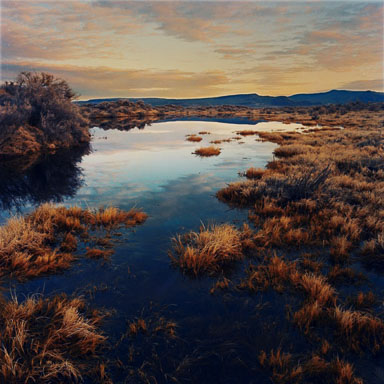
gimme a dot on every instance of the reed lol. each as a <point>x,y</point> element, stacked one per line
<point>207,251</point>
<point>194,138</point>
<point>207,151</point>
<point>46,240</point>
<point>46,340</point>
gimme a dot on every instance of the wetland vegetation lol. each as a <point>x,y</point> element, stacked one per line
<point>262,264</point>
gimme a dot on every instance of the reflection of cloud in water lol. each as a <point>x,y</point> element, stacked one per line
<point>130,165</point>
<point>188,196</point>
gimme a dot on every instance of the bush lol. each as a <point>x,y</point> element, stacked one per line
<point>37,113</point>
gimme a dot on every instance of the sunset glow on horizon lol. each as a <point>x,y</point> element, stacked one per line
<point>196,49</point>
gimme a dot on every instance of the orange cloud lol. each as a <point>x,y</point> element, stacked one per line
<point>376,84</point>
<point>194,48</point>
<point>111,82</point>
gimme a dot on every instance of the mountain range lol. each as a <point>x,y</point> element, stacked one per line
<point>255,100</point>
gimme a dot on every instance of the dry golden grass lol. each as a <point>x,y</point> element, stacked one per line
<point>324,192</point>
<point>359,330</point>
<point>316,288</point>
<point>286,369</point>
<point>282,367</point>
<point>274,273</point>
<point>247,132</point>
<point>96,253</point>
<point>209,250</point>
<point>221,141</point>
<point>291,150</point>
<point>254,173</point>
<point>194,138</point>
<point>47,340</point>
<point>365,301</point>
<point>137,326</point>
<point>44,241</point>
<point>220,285</point>
<point>207,151</point>
<point>329,185</point>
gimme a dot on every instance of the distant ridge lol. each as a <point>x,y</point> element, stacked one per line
<point>255,100</point>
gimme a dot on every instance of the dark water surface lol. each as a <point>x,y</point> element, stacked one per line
<point>219,336</point>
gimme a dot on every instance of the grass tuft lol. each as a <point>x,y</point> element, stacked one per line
<point>46,240</point>
<point>47,340</point>
<point>207,251</point>
<point>207,151</point>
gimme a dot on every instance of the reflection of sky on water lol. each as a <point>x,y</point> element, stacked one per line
<point>125,165</point>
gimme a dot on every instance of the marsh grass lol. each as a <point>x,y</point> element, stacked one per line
<point>207,151</point>
<point>221,141</point>
<point>247,132</point>
<point>210,250</point>
<point>48,340</point>
<point>194,138</point>
<point>354,330</point>
<point>45,241</point>
<point>286,369</point>
<point>254,173</point>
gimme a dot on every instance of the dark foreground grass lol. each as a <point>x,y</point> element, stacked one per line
<point>55,339</point>
<point>48,340</point>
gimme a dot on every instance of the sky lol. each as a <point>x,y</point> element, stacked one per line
<point>186,49</point>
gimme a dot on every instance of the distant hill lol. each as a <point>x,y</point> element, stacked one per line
<point>338,97</point>
<point>255,100</point>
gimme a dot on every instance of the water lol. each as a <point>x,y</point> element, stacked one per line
<point>218,336</point>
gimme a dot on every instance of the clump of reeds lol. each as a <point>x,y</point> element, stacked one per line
<point>275,272</point>
<point>207,251</point>
<point>207,151</point>
<point>282,366</point>
<point>358,329</point>
<point>137,326</point>
<point>286,369</point>
<point>298,186</point>
<point>150,325</point>
<point>254,173</point>
<point>45,241</point>
<point>220,285</point>
<point>290,150</point>
<point>364,301</point>
<point>194,138</point>
<point>221,141</point>
<point>372,251</point>
<point>47,340</point>
<point>247,132</point>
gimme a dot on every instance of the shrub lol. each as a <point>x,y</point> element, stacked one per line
<point>37,113</point>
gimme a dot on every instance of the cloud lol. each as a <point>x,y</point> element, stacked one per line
<point>376,85</point>
<point>112,82</point>
<point>194,48</point>
<point>234,53</point>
